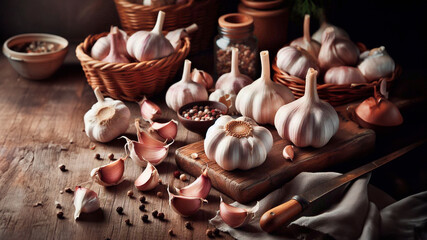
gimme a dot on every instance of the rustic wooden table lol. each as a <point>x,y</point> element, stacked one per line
<point>41,125</point>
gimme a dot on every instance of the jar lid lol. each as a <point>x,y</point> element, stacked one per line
<point>235,21</point>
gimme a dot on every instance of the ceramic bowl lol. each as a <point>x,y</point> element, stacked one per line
<point>200,127</point>
<point>35,66</point>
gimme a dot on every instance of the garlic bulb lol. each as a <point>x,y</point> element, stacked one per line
<point>339,32</point>
<point>305,42</point>
<point>262,98</point>
<point>237,143</point>
<point>175,37</point>
<point>185,205</point>
<point>102,46</point>
<point>145,46</point>
<point>295,61</point>
<point>228,98</point>
<point>376,64</point>
<point>107,119</point>
<point>307,121</point>
<point>85,201</point>
<point>149,110</point>
<point>185,91</point>
<point>199,188</point>
<point>336,52</point>
<point>110,174</point>
<point>167,130</point>
<point>234,216</point>
<point>344,75</point>
<point>116,54</point>
<point>233,80</point>
<point>148,180</point>
<point>202,77</point>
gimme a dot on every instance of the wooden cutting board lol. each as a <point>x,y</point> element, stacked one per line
<point>245,186</point>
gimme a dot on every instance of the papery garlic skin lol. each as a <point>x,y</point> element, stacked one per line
<point>183,205</point>
<point>307,121</point>
<point>107,119</point>
<point>339,32</point>
<point>336,52</point>
<point>202,77</point>
<point>234,80</point>
<point>101,48</point>
<point>227,98</point>
<point>295,61</point>
<point>175,37</point>
<point>344,75</point>
<point>85,200</point>
<point>145,46</point>
<point>237,143</point>
<point>110,174</point>
<point>305,42</point>
<point>148,180</point>
<point>376,64</point>
<point>236,217</point>
<point>263,97</point>
<point>185,91</point>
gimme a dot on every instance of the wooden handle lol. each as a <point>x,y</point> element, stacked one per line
<point>280,215</point>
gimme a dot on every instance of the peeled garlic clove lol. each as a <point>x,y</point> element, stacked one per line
<point>183,205</point>
<point>148,179</point>
<point>110,174</point>
<point>376,64</point>
<point>344,75</point>
<point>202,77</point>
<point>175,37</point>
<point>339,32</point>
<point>288,152</point>
<point>146,138</point>
<point>85,201</point>
<point>199,188</point>
<point>141,153</point>
<point>102,46</point>
<point>295,61</point>
<point>234,80</point>
<point>305,42</point>
<point>236,217</point>
<point>149,110</point>
<point>167,130</point>
<point>227,98</point>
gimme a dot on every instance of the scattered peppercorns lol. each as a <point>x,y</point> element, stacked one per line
<point>159,194</point>
<point>176,174</point>
<point>144,218</point>
<point>62,168</point>
<point>119,210</point>
<point>142,199</point>
<point>188,225</point>
<point>68,190</point>
<point>216,231</point>
<point>93,146</point>
<point>71,141</point>
<point>61,191</point>
<point>171,233</point>
<point>194,155</point>
<point>155,213</point>
<point>130,193</point>
<point>127,221</point>
<point>97,156</point>
<point>142,207</point>
<point>183,177</point>
<point>161,216</point>
<point>38,204</point>
<point>201,113</point>
<point>209,233</point>
<point>111,156</point>
<point>60,214</point>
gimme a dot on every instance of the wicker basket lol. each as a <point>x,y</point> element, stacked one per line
<point>129,81</point>
<point>135,17</point>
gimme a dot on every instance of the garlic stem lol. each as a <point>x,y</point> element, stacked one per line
<point>311,86</point>
<point>159,23</point>
<point>307,36</point>
<point>235,62</point>
<point>186,76</point>
<point>265,67</point>
<point>98,95</point>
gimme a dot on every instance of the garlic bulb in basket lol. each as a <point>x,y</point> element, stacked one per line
<point>145,46</point>
<point>336,52</point>
<point>185,91</point>
<point>116,54</point>
<point>107,119</point>
<point>305,42</point>
<point>237,143</point>
<point>295,61</point>
<point>307,121</point>
<point>339,32</point>
<point>376,64</point>
<point>262,98</point>
<point>101,48</point>
<point>344,75</point>
<point>233,80</point>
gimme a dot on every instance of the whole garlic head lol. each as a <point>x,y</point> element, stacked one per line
<point>305,42</point>
<point>339,32</point>
<point>344,75</point>
<point>185,91</point>
<point>102,46</point>
<point>376,64</point>
<point>237,143</point>
<point>295,61</point>
<point>307,121</point>
<point>107,119</point>
<point>262,98</point>
<point>228,98</point>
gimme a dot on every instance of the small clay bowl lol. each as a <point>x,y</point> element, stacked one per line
<point>200,127</point>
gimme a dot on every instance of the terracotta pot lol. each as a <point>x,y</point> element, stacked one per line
<point>270,20</point>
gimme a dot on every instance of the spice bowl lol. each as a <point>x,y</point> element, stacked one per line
<point>35,65</point>
<point>198,126</point>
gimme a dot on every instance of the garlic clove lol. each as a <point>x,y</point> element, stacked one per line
<point>199,188</point>
<point>85,201</point>
<point>167,130</point>
<point>110,174</point>
<point>288,152</point>
<point>183,205</point>
<point>228,98</point>
<point>146,138</point>
<point>149,110</point>
<point>236,217</point>
<point>305,42</point>
<point>202,77</point>
<point>141,153</point>
<point>148,179</point>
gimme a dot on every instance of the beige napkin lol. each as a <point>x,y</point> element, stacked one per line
<point>349,215</point>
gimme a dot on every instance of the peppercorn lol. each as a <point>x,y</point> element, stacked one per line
<point>176,174</point>
<point>127,221</point>
<point>92,147</point>
<point>119,210</point>
<point>111,156</point>
<point>161,216</point>
<point>209,233</point>
<point>142,199</point>
<point>130,193</point>
<point>142,207</point>
<point>60,214</point>
<point>62,168</point>
<point>188,225</point>
<point>183,177</point>
<point>144,218</point>
<point>159,194</point>
<point>98,156</point>
<point>171,233</point>
<point>68,190</point>
<point>216,231</point>
<point>155,213</point>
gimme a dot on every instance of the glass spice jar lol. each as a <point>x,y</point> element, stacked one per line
<point>236,30</point>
